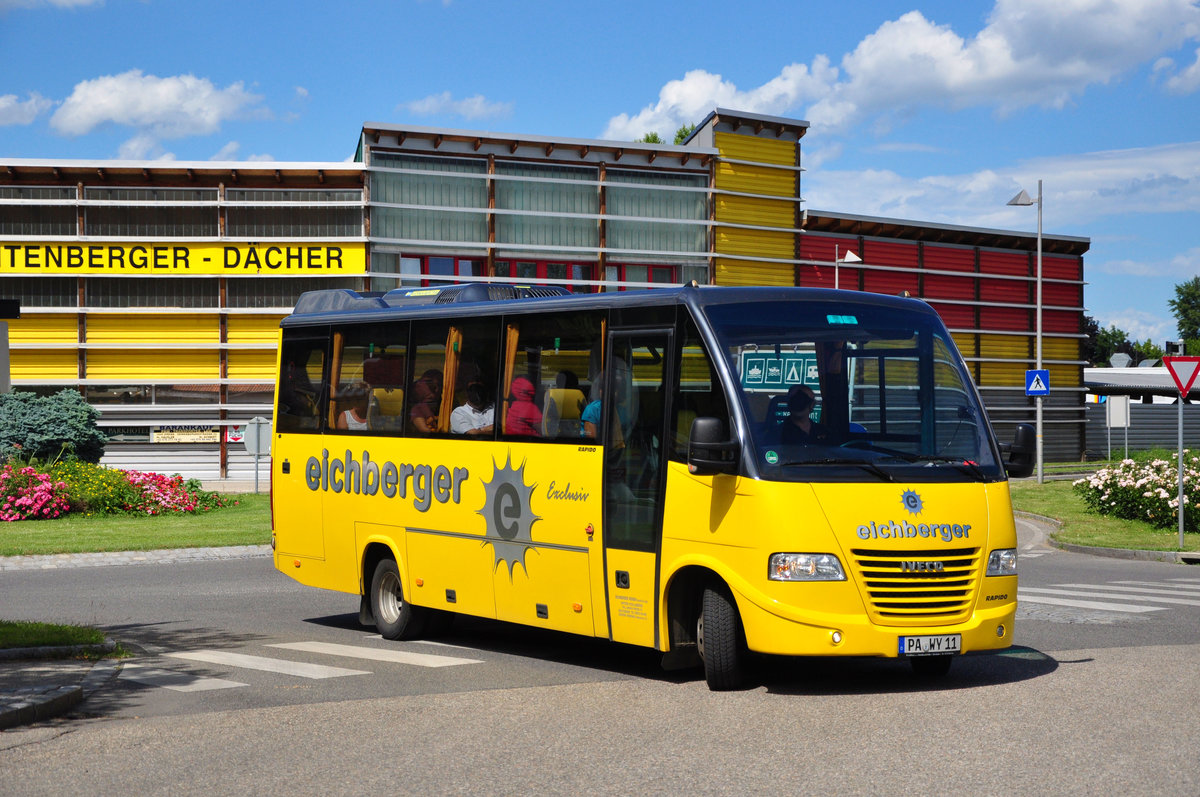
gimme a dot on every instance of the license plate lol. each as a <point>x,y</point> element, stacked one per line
<point>930,644</point>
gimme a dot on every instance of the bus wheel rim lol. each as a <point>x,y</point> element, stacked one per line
<point>390,601</point>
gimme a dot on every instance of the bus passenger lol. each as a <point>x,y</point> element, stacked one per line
<point>354,397</point>
<point>799,428</point>
<point>524,417</point>
<point>427,400</point>
<point>475,417</point>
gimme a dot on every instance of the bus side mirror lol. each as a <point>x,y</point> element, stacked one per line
<point>1021,453</point>
<point>709,450</point>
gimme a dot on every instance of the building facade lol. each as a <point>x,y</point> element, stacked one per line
<point>156,289</point>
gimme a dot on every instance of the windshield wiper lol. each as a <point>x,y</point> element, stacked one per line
<point>865,464</point>
<point>965,465</point>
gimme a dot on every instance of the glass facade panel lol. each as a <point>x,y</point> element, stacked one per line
<point>114,292</point>
<point>553,189</point>
<point>41,291</point>
<point>444,183</point>
<point>38,219</point>
<point>637,194</point>
<point>292,214</point>
<point>269,292</point>
<point>151,220</point>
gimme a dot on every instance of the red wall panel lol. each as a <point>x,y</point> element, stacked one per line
<point>1062,295</point>
<point>1005,319</point>
<point>1066,268</point>
<point>891,282</point>
<point>1004,291</point>
<point>1005,263</point>
<point>940,286</point>
<point>956,316</point>
<point>946,258</point>
<point>888,253</point>
<point>1060,321</point>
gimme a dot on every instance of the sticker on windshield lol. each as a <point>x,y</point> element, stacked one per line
<point>772,458</point>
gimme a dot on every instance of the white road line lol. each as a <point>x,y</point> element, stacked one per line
<point>430,642</point>
<point>376,654</point>
<point>1132,593</point>
<point>177,681</point>
<point>297,668</point>
<point>1023,596</point>
<point>1185,588</point>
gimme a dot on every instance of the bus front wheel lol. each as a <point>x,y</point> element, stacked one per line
<point>395,618</point>
<point>719,640</point>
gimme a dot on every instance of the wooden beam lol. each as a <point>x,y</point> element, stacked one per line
<point>478,144</point>
<point>321,176</point>
<point>653,154</point>
<point>100,174</point>
<point>618,153</point>
<point>684,158</point>
<point>191,175</point>
<point>512,147</point>
<point>233,175</point>
<point>584,150</point>
<point>549,149</point>
<point>437,141</point>
<point>400,137</point>
<point>278,176</point>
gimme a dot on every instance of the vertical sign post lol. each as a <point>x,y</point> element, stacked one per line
<point>1117,413</point>
<point>257,440</point>
<point>1183,371</point>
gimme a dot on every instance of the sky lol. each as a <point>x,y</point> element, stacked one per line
<point>926,110</point>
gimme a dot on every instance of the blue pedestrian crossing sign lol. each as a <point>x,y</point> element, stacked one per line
<point>1037,383</point>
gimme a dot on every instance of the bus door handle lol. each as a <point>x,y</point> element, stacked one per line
<point>622,579</point>
<point>286,467</point>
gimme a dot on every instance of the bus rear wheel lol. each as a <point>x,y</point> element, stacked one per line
<point>395,618</point>
<point>719,640</point>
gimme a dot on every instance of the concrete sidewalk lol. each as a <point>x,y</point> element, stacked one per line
<point>38,684</point>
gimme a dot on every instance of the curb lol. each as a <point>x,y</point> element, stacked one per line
<point>36,704</point>
<point>1136,554</point>
<point>41,706</point>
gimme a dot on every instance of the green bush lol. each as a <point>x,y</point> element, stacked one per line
<point>34,427</point>
<point>94,489</point>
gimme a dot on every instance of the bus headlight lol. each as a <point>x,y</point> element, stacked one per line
<point>1002,562</point>
<point>805,567</point>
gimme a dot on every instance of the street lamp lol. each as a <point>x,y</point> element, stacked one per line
<point>1023,199</point>
<point>849,257</point>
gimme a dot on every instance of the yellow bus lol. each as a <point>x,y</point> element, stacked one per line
<point>708,472</point>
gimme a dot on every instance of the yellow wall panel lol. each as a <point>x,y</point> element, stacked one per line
<point>153,327</point>
<point>1060,348</point>
<point>748,272</point>
<point>1064,376</point>
<point>757,243</point>
<point>1002,374</point>
<point>965,343</point>
<point>755,179</point>
<point>1006,346</point>
<point>44,329</point>
<point>253,329</point>
<point>251,365</point>
<point>126,364</point>
<point>754,148</point>
<point>38,365</point>
<point>753,210</point>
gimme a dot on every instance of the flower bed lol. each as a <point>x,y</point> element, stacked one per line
<point>77,486</point>
<point>1147,491</point>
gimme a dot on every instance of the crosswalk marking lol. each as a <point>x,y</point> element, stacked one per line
<point>1024,594</point>
<point>1136,593</point>
<point>1186,588</point>
<point>175,681</point>
<point>297,668</point>
<point>376,654</point>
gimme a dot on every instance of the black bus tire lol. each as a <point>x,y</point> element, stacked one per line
<point>719,640</point>
<point>395,618</point>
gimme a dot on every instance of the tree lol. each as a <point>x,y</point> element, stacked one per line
<point>681,135</point>
<point>1186,307</point>
<point>1108,342</point>
<point>44,427</point>
<point>650,138</point>
<point>1147,350</point>
<point>1088,346</point>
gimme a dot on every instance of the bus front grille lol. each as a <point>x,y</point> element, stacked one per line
<point>918,587</point>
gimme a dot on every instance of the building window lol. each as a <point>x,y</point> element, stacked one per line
<point>542,270</point>
<point>540,201</point>
<point>636,202</point>
<point>41,291</point>
<point>280,292</point>
<point>174,292</point>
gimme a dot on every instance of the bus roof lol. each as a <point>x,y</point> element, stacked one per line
<point>342,305</point>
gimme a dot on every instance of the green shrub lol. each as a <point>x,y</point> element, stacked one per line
<point>34,427</point>
<point>94,489</point>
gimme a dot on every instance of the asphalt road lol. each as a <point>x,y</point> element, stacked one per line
<point>1097,697</point>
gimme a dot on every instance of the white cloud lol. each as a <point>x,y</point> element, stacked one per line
<point>1139,324</point>
<point>143,147</point>
<point>1078,190</point>
<point>1030,52</point>
<point>157,108</point>
<point>227,153</point>
<point>1187,81</point>
<point>476,107</point>
<point>15,112</point>
<point>689,100</point>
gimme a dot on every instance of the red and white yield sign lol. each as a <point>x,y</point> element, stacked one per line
<point>1183,371</point>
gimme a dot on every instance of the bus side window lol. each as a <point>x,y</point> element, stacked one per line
<point>301,385</point>
<point>551,363</point>
<point>368,377</point>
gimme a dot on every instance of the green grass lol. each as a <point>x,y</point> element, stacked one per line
<point>248,523</point>
<point>1081,526</point>
<point>14,634</point>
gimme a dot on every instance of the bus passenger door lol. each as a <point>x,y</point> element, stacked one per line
<point>297,501</point>
<point>635,398</point>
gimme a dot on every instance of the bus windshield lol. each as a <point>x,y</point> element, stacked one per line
<point>841,391</point>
